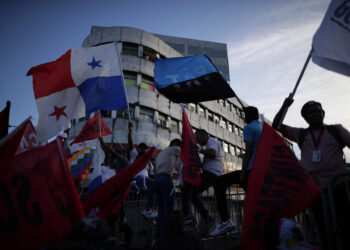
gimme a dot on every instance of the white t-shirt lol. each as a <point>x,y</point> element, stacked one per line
<point>214,166</point>
<point>144,172</point>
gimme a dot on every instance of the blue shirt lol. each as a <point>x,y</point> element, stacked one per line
<point>252,133</point>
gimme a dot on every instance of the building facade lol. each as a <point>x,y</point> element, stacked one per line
<point>156,119</point>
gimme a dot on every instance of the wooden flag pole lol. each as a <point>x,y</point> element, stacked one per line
<point>291,95</point>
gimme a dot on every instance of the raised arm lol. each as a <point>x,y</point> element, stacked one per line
<point>277,121</point>
<point>130,140</point>
<point>109,149</point>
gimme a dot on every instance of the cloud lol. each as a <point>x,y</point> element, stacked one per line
<point>265,64</point>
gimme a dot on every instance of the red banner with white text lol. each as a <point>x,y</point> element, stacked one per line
<point>277,187</point>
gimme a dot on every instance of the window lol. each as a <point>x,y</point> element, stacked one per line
<point>233,109</point>
<point>146,114</point>
<point>225,147</point>
<point>210,116</point>
<point>240,132</point>
<point>162,120</point>
<point>222,102</point>
<point>174,126</point>
<point>201,111</point>
<point>229,126</point>
<point>130,49</point>
<point>236,130</point>
<point>239,113</point>
<point>192,107</point>
<point>238,151</point>
<point>125,114</point>
<point>147,83</point>
<point>149,54</point>
<point>216,119</point>
<point>232,149</point>
<point>129,78</point>
<point>106,113</point>
<point>223,123</point>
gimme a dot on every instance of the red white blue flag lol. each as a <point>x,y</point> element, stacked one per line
<point>81,81</point>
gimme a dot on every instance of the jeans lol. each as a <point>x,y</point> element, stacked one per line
<point>164,189</point>
<point>186,197</point>
<point>220,183</point>
<point>141,184</point>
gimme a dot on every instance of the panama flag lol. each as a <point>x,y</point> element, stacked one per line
<point>81,81</point>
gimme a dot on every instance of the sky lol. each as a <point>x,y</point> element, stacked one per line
<point>268,43</point>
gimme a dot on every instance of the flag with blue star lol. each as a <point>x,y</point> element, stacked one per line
<point>80,82</point>
<point>94,63</point>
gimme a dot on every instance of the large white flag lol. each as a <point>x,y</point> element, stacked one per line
<point>331,43</point>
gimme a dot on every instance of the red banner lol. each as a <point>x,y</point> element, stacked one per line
<point>91,130</point>
<point>19,140</point>
<point>39,202</point>
<point>109,197</point>
<point>278,187</point>
<point>189,153</point>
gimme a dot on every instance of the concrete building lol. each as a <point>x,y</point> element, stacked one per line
<point>156,119</point>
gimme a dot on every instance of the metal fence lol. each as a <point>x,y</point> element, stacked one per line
<point>144,228</point>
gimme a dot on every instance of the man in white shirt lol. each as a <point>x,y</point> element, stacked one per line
<point>212,168</point>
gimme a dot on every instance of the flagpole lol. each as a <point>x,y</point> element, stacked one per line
<point>126,95</point>
<point>291,95</point>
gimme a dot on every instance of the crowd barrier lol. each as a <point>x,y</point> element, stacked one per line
<point>144,228</point>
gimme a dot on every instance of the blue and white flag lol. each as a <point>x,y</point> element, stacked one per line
<point>81,81</point>
<point>331,43</point>
<point>190,79</point>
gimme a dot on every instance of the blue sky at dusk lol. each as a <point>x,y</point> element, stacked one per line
<point>268,42</point>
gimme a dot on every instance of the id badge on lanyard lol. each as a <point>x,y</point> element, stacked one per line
<point>316,153</point>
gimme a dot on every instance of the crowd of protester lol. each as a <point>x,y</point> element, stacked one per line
<point>321,156</point>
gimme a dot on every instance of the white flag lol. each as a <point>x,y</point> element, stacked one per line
<point>331,43</point>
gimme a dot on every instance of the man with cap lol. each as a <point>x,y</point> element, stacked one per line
<point>321,148</point>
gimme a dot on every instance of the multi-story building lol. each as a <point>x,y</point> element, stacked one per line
<point>156,119</point>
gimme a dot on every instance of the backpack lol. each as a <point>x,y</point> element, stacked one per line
<point>330,128</point>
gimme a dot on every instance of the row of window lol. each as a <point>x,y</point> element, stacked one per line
<point>144,52</point>
<point>221,121</point>
<point>174,127</point>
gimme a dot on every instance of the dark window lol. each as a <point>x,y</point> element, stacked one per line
<point>149,54</point>
<point>106,113</point>
<point>130,49</point>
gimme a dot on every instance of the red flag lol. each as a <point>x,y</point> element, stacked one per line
<point>19,140</point>
<point>278,187</point>
<point>4,120</point>
<point>189,154</point>
<point>109,197</point>
<point>90,130</point>
<point>39,202</point>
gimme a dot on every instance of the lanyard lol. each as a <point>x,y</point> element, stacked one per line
<point>317,141</point>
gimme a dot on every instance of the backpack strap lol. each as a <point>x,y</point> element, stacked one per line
<point>302,135</point>
<point>332,129</point>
